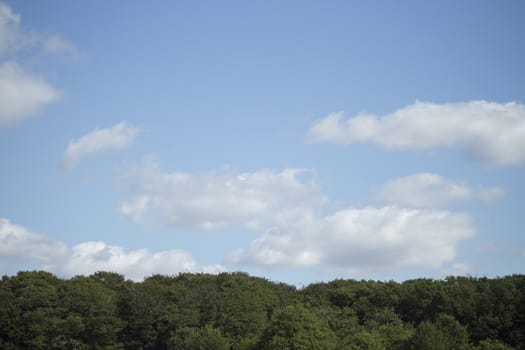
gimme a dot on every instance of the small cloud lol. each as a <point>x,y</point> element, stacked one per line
<point>489,195</point>
<point>99,141</point>
<point>488,131</point>
<point>10,39</point>
<point>14,39</point>
<point>432,190</point>
<point>57,45</point>
<point>22,95</point>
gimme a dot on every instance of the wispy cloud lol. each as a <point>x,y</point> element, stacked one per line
<point>491,132</point>
<point>13,38</point>
<point>22,95</point>
<point>21,244</point>
<point>10,36</point>
<point>432,190</point>
<point>99,141</point>
<point>56,44</point>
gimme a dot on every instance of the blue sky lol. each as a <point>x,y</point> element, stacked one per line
<point>300,141</point>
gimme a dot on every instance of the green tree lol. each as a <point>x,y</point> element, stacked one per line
<point>206,338</point>
<point>393,332</point>
<point>92,310</point>
<point>428,337</point>
<point>37,298</point>
<point>139,310</point>
<point>446,333</point>
<point>298,328</point>
<point>9,316</point>
<point>243,306</point>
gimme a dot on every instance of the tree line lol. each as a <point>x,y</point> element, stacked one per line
<point>236,311</point>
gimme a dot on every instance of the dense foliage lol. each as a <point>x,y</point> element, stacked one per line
<point>236,311</point>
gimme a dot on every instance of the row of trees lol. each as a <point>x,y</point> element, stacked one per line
<point>236,311</point>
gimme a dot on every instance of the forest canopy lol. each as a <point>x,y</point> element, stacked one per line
<point>236,311</point>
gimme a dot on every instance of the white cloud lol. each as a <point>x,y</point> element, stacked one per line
<point>490,194</point>
<point>19,243</point>
<point>22,95</point>
<point>492,132</point>
<point>432,190</point>
<point>213,199</point>
<point>13,38</point>
<point>92,256</point>
<point>98,141</point>
<point>287,209</point>
<point>361,240</point>
<point>56,44</point>
<point>89,257</point>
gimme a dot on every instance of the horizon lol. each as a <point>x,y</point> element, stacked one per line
<point>273,281</point>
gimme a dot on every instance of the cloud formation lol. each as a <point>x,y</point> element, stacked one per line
<point>213,199</point>
<point>19,243</point>
<point>99,141</point>
<point>488,131</point>
<point>288,211</point>
<point>432,190</point>
<point>362,240</point>
<point>22,95</point>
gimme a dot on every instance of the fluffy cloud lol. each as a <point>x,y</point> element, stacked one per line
<point>432,190</point>
<point>89,257</point>
<point>492,132</point>
<point>98,141</point>
<point>360,240</point>
<point>92,256</point>
<point>18,243</point>
<point>22,95</point>
<point>13,38</point>
<point>287,209</point>
<point>213,199</point>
